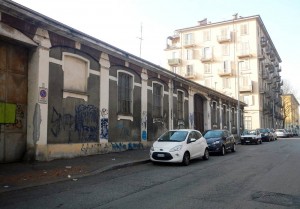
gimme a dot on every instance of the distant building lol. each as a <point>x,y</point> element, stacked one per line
<point>291,112</point>
<point>235,57</point>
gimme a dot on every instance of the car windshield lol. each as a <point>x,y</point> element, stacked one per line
<point>264,130</point>
<point>249,132</point>
<point>174,136</point>
<point>213,134</point>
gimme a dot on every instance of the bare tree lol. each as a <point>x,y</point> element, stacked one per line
<point>287,88</point>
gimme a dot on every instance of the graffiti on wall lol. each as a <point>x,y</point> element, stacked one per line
<point>126,133</point>
<point>126,146</point>
<point>85,123</point>
<point>144,125</point>
<point>104,124</point>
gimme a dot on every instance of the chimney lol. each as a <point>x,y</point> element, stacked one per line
<point>203,22</point>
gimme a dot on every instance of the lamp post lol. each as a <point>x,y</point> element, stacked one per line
<point>238,98</point>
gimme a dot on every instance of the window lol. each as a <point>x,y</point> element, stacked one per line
<point>189,70</point>
<point>206,35</point>
<point>226,66</point>
<point>248,99</point>
<point>207,68</point>
<point>207,53</point>
<point>245,49</point>
<point>244,65</point>
<point>188,39</point>
<point>180,100</point>
<point>226,83</point>
<point>125,90</point>
<point>75,71</point>
<point>189,54</point>
<point>245,81</point>
<point>174,55</point>
<point>175,69</point>
<point>157,100</point>
<point>225,50</point>
<point>244,29</point>
<point>248,122</point>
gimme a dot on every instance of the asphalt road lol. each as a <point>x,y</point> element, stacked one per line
<point>256,176</point>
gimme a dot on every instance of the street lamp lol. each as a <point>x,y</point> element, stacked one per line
<point>238,98</point>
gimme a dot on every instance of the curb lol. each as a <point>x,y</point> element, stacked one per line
<point>91,173</point>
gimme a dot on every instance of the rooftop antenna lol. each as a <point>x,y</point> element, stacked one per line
<point>141,39</point>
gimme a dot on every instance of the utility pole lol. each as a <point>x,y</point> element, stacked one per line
<point>141,39</point>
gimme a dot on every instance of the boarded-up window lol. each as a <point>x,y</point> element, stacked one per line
<point>75,74</point>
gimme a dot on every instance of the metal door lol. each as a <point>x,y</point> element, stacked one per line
<point>13,101</point>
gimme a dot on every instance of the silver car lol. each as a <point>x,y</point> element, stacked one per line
<point>281,133</point>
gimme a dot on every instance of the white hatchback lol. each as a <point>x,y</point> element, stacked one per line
<point>179,146</point>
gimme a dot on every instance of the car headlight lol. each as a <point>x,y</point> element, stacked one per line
<point>152,148</point>
<point>177,148</point>
<point>216,142</point>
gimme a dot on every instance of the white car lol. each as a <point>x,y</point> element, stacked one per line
<point>251,136</point>
<point>179,146</point>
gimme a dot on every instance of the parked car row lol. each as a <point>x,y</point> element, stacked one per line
<point>182,145</point>
<point>260,135</point>
<point>285,133</point>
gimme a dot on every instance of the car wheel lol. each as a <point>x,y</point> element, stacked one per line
<point>257,141</point>
<point>260,141</point>
<point>206,155</point>
<point>233,149</point>
<point>222,151</point>
<point>186,159</point>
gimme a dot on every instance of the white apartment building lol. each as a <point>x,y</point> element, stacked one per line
<point>235,57</point>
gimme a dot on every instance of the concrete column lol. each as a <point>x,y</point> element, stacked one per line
<point>144,101</point>
<point>104,98</point>
<point>208,103</point>
<point>38,81</point>
<point>171,111</point>
<point>221,114</point>
<point>191,109</point>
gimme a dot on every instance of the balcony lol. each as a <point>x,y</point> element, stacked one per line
<point>246,88</point>
<point>225,72</point>
<point>224,38</point>
<point>207,58</point>
<point>263,42</point>
<point>174,62</point>
<point>190,75</point>
<point>262,91</point>
<point>244,54</point>
<point>189,43</point>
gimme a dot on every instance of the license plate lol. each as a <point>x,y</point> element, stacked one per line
<point>160,155</point>
<point>247,141</point>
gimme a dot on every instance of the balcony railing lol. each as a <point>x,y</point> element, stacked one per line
<point>174,62</point>
<point>246,88</point>
<point>207,58</point>
<point>224,38</point>
<point>244,54</point>
<point>225,72</point>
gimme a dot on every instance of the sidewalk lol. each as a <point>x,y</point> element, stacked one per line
<point>14,176</point>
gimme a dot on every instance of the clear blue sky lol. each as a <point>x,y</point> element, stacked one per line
<point>118,22</point>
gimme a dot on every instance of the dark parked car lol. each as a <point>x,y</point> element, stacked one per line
<point>220,141</point>
<point>266,134</point>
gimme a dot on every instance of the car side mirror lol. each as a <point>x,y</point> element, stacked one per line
<point>191,140</point>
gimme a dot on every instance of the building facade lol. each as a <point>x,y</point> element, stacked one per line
<point>235,57</point>
<point>65,94</point>
<point>291,112</point>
